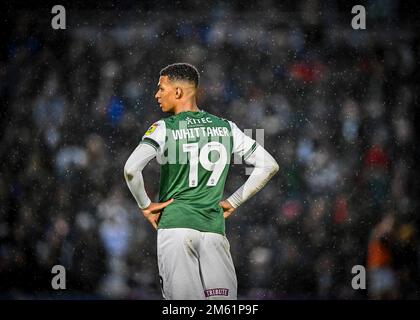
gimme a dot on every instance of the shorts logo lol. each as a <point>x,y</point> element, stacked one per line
<point>151,129</point>
<point>216,292</point>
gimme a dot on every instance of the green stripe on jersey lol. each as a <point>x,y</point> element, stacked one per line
<point>250,151</point>
<point>151,142</point>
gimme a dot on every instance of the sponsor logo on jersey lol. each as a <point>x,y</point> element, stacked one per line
<point>198,121</point>
<point>151,129</point>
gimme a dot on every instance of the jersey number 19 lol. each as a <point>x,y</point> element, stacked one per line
<point>196,155</point>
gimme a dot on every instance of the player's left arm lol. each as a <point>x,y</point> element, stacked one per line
<point>152,142</point>
<point>133,176</point>
<point>133,173</point>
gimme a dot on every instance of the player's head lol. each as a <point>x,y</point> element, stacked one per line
<point>178,82</point>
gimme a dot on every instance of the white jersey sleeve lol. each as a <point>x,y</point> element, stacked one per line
<point>243,145</point>
<point>265,167</point>
<point>133,172</point>
<point>155,136</point>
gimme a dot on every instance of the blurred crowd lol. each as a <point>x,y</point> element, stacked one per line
<point>336,106</point>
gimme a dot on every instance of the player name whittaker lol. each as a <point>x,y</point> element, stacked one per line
<point>192,133</point>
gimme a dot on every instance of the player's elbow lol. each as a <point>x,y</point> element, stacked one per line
<point>128,170</point>
<point>275,168</point>
<point>270,164</point>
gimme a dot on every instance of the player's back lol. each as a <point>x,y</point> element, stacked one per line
<point>194,150</point>
<point>198,149</point>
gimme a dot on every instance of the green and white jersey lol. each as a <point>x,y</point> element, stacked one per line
<point>195,150</point>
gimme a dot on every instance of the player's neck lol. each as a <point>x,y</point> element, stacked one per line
<point>189,106</point>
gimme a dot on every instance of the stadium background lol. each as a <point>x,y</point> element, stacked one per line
<point>338,109</point>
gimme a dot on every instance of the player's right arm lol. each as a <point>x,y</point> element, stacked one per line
<point>265,167</point>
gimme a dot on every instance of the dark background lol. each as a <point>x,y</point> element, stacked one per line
<point>339,111</point>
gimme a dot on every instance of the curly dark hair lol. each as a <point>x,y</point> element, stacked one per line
<point>182,71</point>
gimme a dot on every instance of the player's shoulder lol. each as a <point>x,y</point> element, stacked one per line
<point>218,118</point>
<point>157,125</point>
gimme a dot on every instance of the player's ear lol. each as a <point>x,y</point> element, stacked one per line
<point>178,92</point>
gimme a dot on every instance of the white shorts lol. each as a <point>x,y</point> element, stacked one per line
<point>195,265</point>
